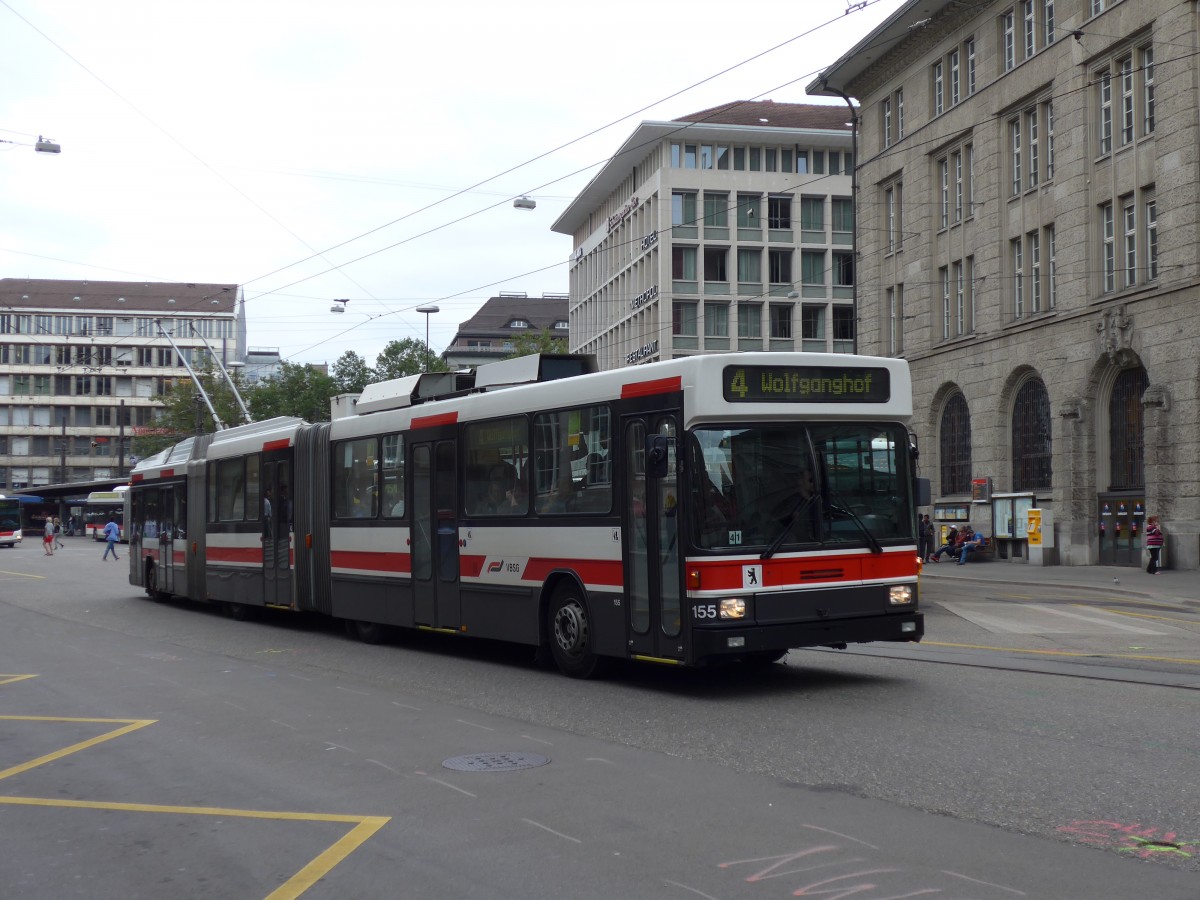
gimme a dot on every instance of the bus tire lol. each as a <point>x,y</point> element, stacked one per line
<point>764,657</point>
<point>152,585</point>
<point>570,631</point>
<point>240,612</point>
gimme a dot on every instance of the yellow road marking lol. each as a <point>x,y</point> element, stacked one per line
<point>317,868</point>
<point>1081,653</point>
<point>130,725</point>
<point>21,574</point>
<point>9,679</point>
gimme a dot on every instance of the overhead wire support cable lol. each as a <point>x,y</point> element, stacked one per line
<point>195,380</point>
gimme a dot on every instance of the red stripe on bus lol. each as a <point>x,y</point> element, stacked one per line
<point>726,575</point>
<point>591,571</point>
<point>368,561</point>
<point>434,421</point>
<point>235,554</point>
<point>166,473</point>
<point>137,478</point>
<point>647,388</point>
<point>280,444</point>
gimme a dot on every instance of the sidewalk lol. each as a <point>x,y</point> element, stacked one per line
<point>1171,586</point>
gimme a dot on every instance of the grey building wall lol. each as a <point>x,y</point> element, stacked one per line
<point>1103,309</point>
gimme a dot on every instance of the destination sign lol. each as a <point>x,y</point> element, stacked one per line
<point>806,384</point>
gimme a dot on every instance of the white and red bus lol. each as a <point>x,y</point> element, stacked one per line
<point>100,507</point>
<point>718,507</point>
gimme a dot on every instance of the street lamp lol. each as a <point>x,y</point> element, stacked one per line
<point>428,311</point>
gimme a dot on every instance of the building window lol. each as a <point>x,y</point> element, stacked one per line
<point>683,208</point>
<point>1126,442</point>
<point>812,214</point>
<point>944,190</point>
<point>780,263</point>
<point>899,126</point>
<point>1130,235</point>
<point>1007,40</point>
<point>812,268</point>
<point>956,159</point>
<point>750,266</point>
<point>895,308</point>
<point>1048,21</point>
<point>715,264</point>
<point>955,77</point>
<point>1151,239</point>
<point>812,328</point>
<point>716,320</point>
<point>1017,256</point>
<point>781,320</point>
<point>1028,28</point>
<point>843,329</point>
<point>891,213</point>
<point>1034,242</point>
<point>749,320</point>
<point>938,88</point>
<point>716,210</point>
<point>970,51</point>
<point>1031,129</point>
<point>944,278</point>
<point>1048,110</point>
<point>843,215</point>
<point>1108,249</point>
<point>1051,270</point>
<point>1014,141</point>
<point>779,212</point>
<point>1147,90</point>
<point>1031,439</point>
<point>1104,87</point>
<point>843,269</point>
<point>747,211</point>
<point>954,444</point>
<point>683,318</point>
<point>683,263</point>
<point>886,110</point>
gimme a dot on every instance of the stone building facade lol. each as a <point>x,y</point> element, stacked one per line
<point>728,229</point>
<point>1028,200</point>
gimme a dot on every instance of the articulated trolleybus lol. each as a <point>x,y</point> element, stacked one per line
<point>720,507</point>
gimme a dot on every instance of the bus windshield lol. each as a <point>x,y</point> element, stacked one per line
<point>787,486</point>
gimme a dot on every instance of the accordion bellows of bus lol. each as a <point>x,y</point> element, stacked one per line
<point>715,508</point>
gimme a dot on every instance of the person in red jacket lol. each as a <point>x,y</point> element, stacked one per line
<point>1154,543</point>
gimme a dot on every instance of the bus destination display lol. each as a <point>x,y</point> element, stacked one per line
<point>806,384</point>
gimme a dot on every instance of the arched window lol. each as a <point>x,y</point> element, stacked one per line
<point>1031,441</point>
<point>1126,447</point>
<point>955,446</point>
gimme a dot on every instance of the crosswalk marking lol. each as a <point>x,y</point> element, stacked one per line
<point>1041,618</point>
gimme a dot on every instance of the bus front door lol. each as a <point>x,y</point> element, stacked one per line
<point>168,508</point>
<point>653,578</point>
<point>434,535</point>
<point>277,532</point>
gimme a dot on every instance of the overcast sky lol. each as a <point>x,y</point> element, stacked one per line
<point>313,151</point>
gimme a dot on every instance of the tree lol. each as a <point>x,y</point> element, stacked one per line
<point>407,356</point>
<point>352,373</point>
<point>298,390</point>
<point>184,412</point>
<point>542,342</point>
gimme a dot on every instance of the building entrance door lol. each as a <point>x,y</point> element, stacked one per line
<point>1122,524</point>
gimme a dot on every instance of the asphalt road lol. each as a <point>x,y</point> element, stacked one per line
<point>279,758</point>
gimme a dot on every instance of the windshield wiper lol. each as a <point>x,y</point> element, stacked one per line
<point>789,520</point>
<point>872,541</point>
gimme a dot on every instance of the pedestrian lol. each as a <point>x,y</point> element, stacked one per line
<point>1154,543</point>
<point>48,536</point>
<point>954,539</point>
<point>925,538</point>
<point>112,534</point>
<point>58,533</point>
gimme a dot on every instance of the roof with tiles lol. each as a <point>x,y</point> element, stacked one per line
<point>133,296</point>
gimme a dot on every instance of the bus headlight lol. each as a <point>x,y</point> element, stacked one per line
<point>900,595</point>
<point>732,608</point>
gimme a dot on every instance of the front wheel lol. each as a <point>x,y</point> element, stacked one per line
<point>152,590</point>
<point>570,632</point>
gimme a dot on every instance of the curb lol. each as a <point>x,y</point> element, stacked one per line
<point>1101,588</point>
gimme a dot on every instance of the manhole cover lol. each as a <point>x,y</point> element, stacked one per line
<point>495,762</point>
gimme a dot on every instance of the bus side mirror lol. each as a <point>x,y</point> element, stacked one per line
<point>924,493</point>
<point>657,454</point>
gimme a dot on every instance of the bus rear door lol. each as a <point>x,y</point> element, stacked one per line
<point>434,535</point>
<point>653,576</point>
<point>277,529</point>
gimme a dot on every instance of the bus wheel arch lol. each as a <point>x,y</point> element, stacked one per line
<point>569,628</point>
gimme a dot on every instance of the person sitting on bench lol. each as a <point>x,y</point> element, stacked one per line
<point>953,544</point>
<point>975,541</point>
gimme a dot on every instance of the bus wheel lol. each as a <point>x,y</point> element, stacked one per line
<point>368,632</point>
<point>571,639</point>
<point>239,611</point>
<point>152,585</point>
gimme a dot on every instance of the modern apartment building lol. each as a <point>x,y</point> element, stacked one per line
<point>84,365</point>
<point>729,229</point>
<point>1028,211</point>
